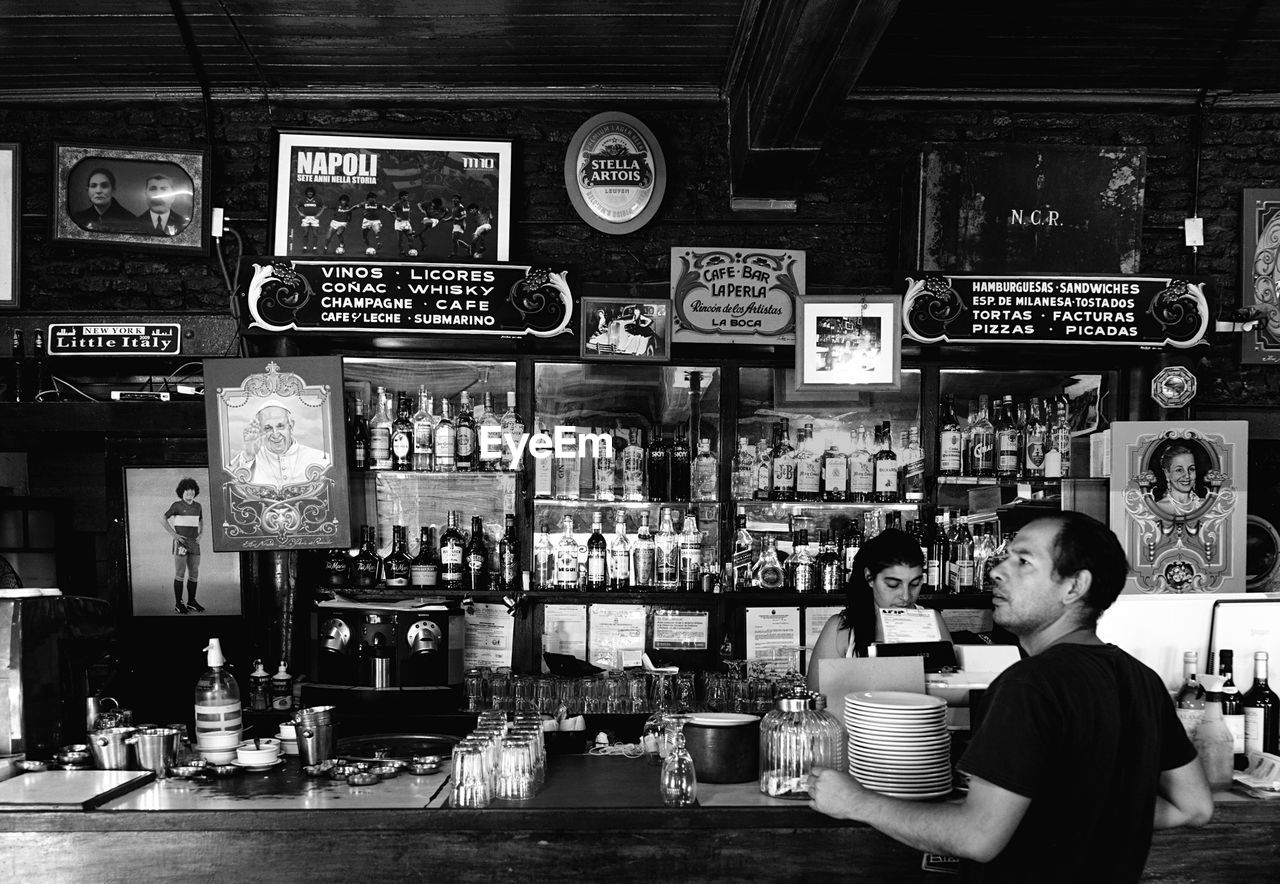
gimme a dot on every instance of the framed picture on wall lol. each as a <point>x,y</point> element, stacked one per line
<point>391,197</point>
<point>1260,270</point>
<point>142,198</point>
<point>848,341</point>
<point>10,222</point>
<point>626,329</point>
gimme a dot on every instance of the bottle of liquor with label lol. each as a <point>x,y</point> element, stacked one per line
<point>690,554</point>
<point>764,465</point>
<point>1035,441</point>
<point>446,445</point>
<point>1190,696</point>
<point>337,566</point>
<point>808,467</point>
<point>706,473</point>
<point>508,577</point>
<point>745,550</point>
<point>633,468</point>
<point>424,440</point>
<point>567,559</point>
<point>568,477</point>
<point>512,429</point>
<point>451,551</point>
<point>402,436</point>
<point>476,559</point>
<point>544,469</point>
<point>1006,440</point>
<point>800,566</point>
<point>982,442</point>
<point>367,562</point>
<point>935,561</point>
<point>395,567</point>
<point>605,466</point>
<point>1057,456</point>
<point>950,439</point>
<point>885,468</point>
<point>619,556</point>
<point>861,472</point>
<point>465,438</point>
<point>830,575</point>
<point>835,475</point>
<point>1232,706</point>
<point>359,438</point>
<point>784,466</point>
<point>1261,711</point>
<point>644,556</point>
<point>768,570</point>
<point>660,466</point>
<point>424,571</point>
<point>667,554</point>
<point>489,447</point>
<point>380,432</point>
<point>742,472</point>
<point>962,555</point>
<point>912,487</point>
<point>544,561</point>
<point>597,556</point>
<point>681,462</point>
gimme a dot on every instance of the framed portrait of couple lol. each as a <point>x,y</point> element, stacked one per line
<point>141,198</point>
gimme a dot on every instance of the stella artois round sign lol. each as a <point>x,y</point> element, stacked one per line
<point>615,173</point>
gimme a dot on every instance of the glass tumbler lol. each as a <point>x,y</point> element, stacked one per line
<point>476,685</point>
<point>470,778</point>
<point>516,764</point>
<point>679,781</point>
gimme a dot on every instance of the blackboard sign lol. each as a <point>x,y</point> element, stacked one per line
<point>502,300</point>
<point>1146,311</point>
<point>114,339</point>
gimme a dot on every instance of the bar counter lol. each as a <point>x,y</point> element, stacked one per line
<point>597,819</point>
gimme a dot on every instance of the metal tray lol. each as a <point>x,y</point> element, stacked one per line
<point>401,747</point>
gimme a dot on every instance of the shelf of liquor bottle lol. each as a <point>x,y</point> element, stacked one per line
<point>629,505</point>
<point>1008,482</point>
<point>909,506</point>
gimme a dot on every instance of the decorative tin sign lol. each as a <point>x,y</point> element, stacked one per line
<point>114,339</point>
<point>1260,255</point>
<point>1144,311</point>
<point>502,300</point>
<point>1173,387</point>
<point>736,295</point>
<point>615,173</point>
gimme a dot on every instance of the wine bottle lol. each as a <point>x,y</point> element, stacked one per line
<point>451,549</point>
<point>1232,706</point>
<point>1261,711</point>
<point>597,556</point>
<point>509,557</point>
<point>1190,696</point>
<point>359,438</point>
<point>423,569</point>
<point>402,436</point>
<point>395,567</point>
<point>950,438</point>
<point>465,444</point>
<point>885,469</point>
<point>476,559</point>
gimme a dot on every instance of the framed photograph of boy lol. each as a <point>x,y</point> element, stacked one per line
<point>10,222</point>
<point>848,341</point>
<point>391,197</point>
<point>142,198</point>
<point>625,330</point>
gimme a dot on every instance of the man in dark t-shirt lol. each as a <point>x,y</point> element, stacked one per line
<point>1080,754</point>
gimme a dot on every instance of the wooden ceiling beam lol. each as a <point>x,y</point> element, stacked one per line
<point>792,67</point>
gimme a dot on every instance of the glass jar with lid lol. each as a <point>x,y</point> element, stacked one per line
<point>794,738</point>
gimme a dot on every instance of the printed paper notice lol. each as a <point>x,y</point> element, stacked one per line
<point>909,625</point>
<point>814,620</point>
<point>616,636</point>
<point>680,630</point>
<point>773,634</point>
<point>489,630</point>
<point>564,631</point>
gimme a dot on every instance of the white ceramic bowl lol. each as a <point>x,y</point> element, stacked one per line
<point>287,731</point>
<point>219,756</point>
<point>217,741</point>
<point>265,752</point>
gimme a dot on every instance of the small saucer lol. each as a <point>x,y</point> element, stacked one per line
<point>257,767</point>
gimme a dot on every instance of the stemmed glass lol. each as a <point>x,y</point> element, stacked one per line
<point>679,781</point>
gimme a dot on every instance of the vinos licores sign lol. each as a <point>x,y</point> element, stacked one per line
<point>1144,311</point>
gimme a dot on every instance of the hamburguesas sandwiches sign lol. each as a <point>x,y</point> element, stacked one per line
<point>1147,311</point>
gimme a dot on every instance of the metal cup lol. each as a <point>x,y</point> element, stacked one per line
<point>315,743</point>
<point>157,748</point>
<point>111,748</point>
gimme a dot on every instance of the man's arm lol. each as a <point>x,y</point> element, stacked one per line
<point>977,828</point>
<point>1183,797</point>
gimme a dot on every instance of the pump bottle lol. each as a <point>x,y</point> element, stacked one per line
<point>218,712</point>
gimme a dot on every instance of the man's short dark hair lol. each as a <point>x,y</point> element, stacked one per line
<point>102,170</point>
<point>188,483</point>
<point>1085,544</point>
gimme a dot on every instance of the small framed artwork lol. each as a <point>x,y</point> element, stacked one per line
<point>848,341</point>
<point>390,197</point>
<point>626,329</point>
<point>1260,257</point>
<point>143,198</point>
<point>277,453</point>
<point>10,222</point>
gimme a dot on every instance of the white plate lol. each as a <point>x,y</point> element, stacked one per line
<point>913,760</point>
<point>721,719</point>
<point>922,785</point>
<point>910,796</point>
<point>892,744</point>
<point>238,763</point>
<point>878,715</point>
<point>894,700</point>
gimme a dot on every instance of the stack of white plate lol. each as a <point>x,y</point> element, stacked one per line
<point>898,743</point>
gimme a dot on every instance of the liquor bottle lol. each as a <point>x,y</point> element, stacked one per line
<point>1057,456</point>
<point>1232,706</point>
<point>1261,711</point>
<point>681,461</point>
<point>835,475</point>
<point>850,546</point>
<point>982,443</point>
<point>745,550</point>
<point>784,465</point>
<point>764,465</point>
<point>962,555</point>
<point>885,468</point>
<point>605,467</point>
<point>18,386</point>
<point>544,561</point>
<point>489,448</point>
<point>380,432</point>
<point>830,575</point>
<point>1035,441</point>
<point>690,543</point>
<point>982,550</point>
<point>950,439</point>
<point>508,577</point>
<point>544,469</point>
<point>367,561</point>
<point>706,473</point>
<point>568,478</point>
<point>1006,440</point>
<point>446,441</point>
<point>667,554</point>
<point>336,568</point>
<point>633,468</point>
<point>1190,697</point>
<point>424,441</point>
<point>465,437</point>
<point>800,565</point>
<point>423,569</point>
<point>567,559</point>
<point>402,436</point>
<point>644,556</point>
<point>476,559</point>
<point>597,556</point>
<point>45,390</point>
<point>742,472</point>
<point>660,466</point>
<point>768,571</point>
<point>619,556</point>
<point>861,473</point>
<point>912,467</point>
<point>451,547</point>
<point>808,467</point>
<point>360,438</point>
<point>395,567</point>
<point>512,429</point>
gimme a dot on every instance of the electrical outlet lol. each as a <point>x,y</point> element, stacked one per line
<point>1194,228</point>
<point>215,223</point>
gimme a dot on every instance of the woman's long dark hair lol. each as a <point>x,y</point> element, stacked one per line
<point>888,548</point>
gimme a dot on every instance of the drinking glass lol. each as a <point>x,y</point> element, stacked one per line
<point>476,693</point>
<point>615,693</point>
<point>500,690</point>
<point>685,692</point>
<point>544,696</point>
<point>471,786</point>
<point>716,692</point>
<point>515,775</point>
<point>638,692</point>
<point>678,782</point>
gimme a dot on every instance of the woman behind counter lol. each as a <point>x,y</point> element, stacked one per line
<point>887,573</point>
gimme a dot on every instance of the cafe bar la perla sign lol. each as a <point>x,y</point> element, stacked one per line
<point>736,295</point>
